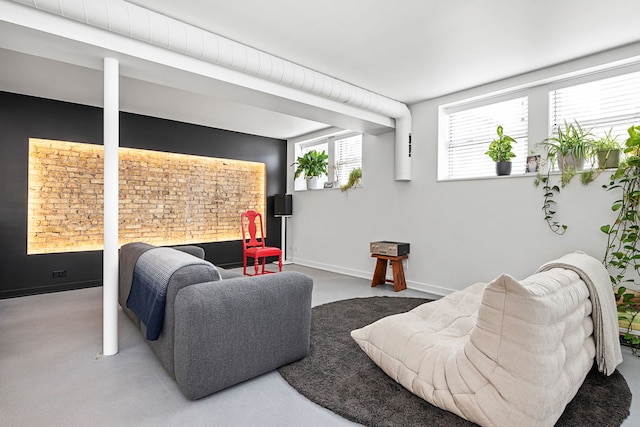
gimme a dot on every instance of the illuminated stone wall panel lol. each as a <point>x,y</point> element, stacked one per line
<point>165,198</point>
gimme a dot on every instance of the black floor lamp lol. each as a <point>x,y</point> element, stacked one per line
<point>283,208</point>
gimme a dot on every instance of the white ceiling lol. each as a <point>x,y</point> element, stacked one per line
<point>408,50</point>
<point>411,50</point>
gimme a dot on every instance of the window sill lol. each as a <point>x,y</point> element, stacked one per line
<point>519,175</point>
<point>327,189</point>
<point>481,178</point>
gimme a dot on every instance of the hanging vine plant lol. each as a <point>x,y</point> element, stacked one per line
<point>622,256</point>
<point>548,203</point>
<point>569,149</point>
<point>355,178</point>
<point>622,251</point>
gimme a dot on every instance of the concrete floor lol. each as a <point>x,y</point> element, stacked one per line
<point>51,372</point>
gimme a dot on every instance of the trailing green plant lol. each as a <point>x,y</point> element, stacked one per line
<point>572,141</point>
<point>608,142</point>
<point>622,255</point>
<point>312,163</point>
<point>607,147</point>
<point>355,177</point>
<point>588,176</point>
<point>602,149</point>
<point>548,203</point>
<point>500,148</point>
<point>567,175</point>
<point>622,252</point>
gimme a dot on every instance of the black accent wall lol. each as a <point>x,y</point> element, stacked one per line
<point>23,117</point>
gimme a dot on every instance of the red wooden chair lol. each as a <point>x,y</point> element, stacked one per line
<point>253,246</point>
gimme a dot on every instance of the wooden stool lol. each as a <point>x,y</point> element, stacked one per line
<point>379,276</point>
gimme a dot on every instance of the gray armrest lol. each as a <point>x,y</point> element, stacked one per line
<point>232,330</point>
<point>196,251</point>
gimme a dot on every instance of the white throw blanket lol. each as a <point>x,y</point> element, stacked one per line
<point>604,315</point>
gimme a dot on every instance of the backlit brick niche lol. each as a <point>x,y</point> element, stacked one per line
<point>165,198</point>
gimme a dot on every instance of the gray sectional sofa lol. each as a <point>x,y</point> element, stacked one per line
<point>219,328</point>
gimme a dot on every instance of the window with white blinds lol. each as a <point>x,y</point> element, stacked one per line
<point>611,103</point>
<point>348,156</point>
<point>471,130</point>
<point>345,154</point>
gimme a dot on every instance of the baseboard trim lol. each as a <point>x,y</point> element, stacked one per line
<point>416,286</point>
<point>46,289</point>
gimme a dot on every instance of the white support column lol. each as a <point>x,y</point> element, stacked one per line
<point>110,257</point>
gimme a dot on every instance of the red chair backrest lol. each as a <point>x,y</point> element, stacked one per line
<point>248,220</point>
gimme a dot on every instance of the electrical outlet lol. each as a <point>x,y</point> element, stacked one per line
<point>58,274</point>
<point>405,264</point>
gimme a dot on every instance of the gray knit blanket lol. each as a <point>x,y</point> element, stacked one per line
<point>151,276</point>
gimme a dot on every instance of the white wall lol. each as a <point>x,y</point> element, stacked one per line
<point>461,232</point>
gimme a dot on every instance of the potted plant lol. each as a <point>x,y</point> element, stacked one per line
<point>500,152</point>
<point>622,256</point>
<point>607,151</point>
<point>570,148</point>
<point>313,165</point>
<point>355,177</point>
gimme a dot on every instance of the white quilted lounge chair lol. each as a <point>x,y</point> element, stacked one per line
<point>507,353</point>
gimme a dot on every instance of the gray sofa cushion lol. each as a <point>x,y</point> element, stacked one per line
<point>235,329</point>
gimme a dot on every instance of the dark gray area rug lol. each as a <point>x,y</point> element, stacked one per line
<point>340,377</point>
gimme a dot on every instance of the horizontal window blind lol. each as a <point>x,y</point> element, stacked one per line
<point>320,147</point>
<point>348,156</point>
<point>344,152</point>
<point>470,132</point>
<point>601,105</point>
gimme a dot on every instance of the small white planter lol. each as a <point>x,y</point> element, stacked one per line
<point>313,183</point>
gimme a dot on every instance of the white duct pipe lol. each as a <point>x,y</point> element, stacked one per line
<point>119,16</point>
<point>403,148</point>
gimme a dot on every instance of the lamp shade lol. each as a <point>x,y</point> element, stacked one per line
<point>283,205</point>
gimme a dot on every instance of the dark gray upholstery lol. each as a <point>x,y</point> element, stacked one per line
<point>219,333</point>
<point>128,256</point>
<point>164,345</point>
<point>249,326</point>
<point>226,274</point>
<point>196,251</point>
